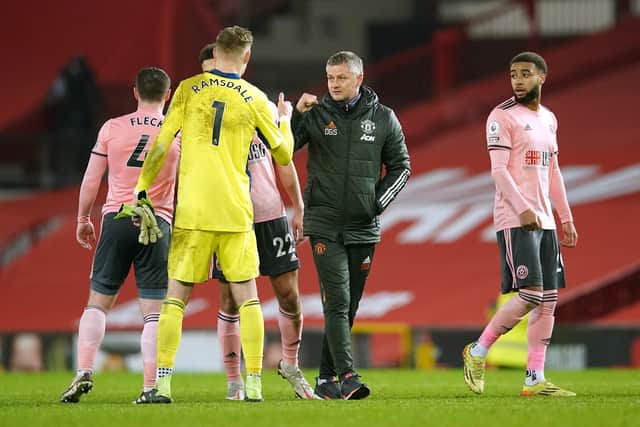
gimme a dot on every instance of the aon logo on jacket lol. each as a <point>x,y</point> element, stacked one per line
<point>368,138</point>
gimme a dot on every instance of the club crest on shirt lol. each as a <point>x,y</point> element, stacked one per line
<point>522,272</point>
<point>367,126</point>
<point>494,128</point>
<point>319,248</point>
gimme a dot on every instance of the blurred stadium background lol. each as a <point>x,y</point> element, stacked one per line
<point>441,64</point>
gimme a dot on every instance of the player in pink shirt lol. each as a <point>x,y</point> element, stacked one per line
<point>521,139</point>
<point>121,148</point>
<point>278,260</point>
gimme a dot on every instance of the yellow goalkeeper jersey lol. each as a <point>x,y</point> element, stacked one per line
<point>217,115</point>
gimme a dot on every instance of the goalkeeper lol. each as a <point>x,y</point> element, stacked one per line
<point>217,114</point>
<point>121,147</point>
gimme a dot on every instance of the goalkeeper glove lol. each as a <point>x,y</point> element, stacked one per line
<point>142,211</point>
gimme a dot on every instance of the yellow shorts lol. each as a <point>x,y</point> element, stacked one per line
<point>191,252</point>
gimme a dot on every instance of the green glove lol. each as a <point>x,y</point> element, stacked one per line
<point>143,212</point>
<point>152,223</point>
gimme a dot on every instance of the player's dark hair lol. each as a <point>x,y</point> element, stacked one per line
<point>353,61</point>
<point>206,52</point>
<point>532,57</point>
<point>152,84</point>
<point>234,39</point>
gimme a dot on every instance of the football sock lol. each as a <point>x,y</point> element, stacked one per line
<point>163,383</point>
<point>90,336</point>
<point>169,331</point>
<point>290,335</point>
<point>533,377</point>
<point>229,336</point>
<point>506,318</point>
<point>148,345</point>
<point>252,334</point>
<point>540,330</point>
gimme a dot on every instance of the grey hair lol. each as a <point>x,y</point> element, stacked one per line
<point>346,57</point>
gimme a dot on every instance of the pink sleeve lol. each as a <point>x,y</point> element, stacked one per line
<point>504,181</point>
<point>558,193</point>
<point>498,131</point>
<point>101,144</point>
<point>93,175</point>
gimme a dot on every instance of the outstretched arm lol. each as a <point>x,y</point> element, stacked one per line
<point>277,138</point>
<point>306,102</point>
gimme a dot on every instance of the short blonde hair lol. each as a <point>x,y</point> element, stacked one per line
<point>234,40</point>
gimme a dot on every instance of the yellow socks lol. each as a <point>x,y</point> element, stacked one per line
<point>251,334</point>
<point>169,331</point>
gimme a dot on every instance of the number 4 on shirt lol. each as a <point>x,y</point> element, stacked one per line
<point>134,160</point>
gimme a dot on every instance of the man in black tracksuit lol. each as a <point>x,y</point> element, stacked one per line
<point>351,136</point>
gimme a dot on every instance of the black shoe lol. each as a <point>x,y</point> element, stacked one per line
<point>151,396</point>
<point>329,389</point>
<point>80,385</point>
<point>351,388</point>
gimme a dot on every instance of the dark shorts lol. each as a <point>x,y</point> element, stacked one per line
<point>530,258</point>
<point>276,249</point>
<point>118,248</point>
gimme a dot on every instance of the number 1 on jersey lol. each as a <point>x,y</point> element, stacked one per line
<point>217,121</point>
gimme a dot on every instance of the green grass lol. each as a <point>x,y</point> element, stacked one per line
<point>399,398</point>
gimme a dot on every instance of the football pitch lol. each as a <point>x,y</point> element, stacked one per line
<point>398,398</point>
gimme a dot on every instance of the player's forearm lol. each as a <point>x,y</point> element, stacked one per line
<point>390,186</point>
<point>289,179</point>
<point>91,184</point>
<point>558,194</point>
<point>283,153</point>
<point>504,181</point>
<point>154,161</point>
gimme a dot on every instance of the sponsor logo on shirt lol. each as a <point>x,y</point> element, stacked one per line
<point>537,158</point>
<point>528,127</point>
<point>257,151</point>
<point>494,139</point>
<point>330,129</point>
<point>368,128</point>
